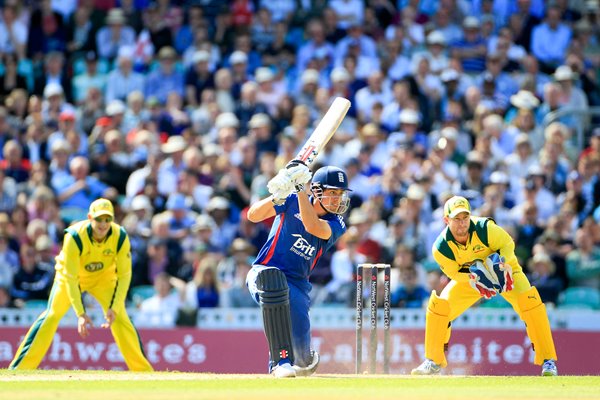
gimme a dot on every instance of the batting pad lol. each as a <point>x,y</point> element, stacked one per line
<point>274,299</point>
<point>436,327</point>
<point>533,312</point>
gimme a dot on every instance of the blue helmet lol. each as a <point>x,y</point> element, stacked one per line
<point>331,177</point>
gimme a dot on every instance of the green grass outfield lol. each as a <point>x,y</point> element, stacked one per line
<point>109,385</point>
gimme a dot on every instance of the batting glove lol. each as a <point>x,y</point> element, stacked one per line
<point>483,280</point>
<point>503,271</point>
<point>299,174</point>
<point>280,186</point>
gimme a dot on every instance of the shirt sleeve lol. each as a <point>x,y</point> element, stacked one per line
<point>123,263</point>
<point>72,261</point>
<point>338,228</point>
<point>447,263</point>
<point>501,242</point>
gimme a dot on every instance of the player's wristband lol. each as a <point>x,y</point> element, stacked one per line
<point>277,202</point>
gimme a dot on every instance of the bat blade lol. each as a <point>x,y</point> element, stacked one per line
<point>324,130</point>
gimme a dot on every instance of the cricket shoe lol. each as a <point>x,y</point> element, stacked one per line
<point>549,368</point>
<point>311,368</point>
<point>428,367</point>
<point>284,370</point>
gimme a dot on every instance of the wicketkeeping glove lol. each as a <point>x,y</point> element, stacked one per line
<point>483,280</point>
<point>299,174</point>
<point>503,271</point>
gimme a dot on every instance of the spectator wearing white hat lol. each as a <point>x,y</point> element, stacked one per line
<point>409,133</point>
<point>115,34</point>
<point>572,96</point>
<point>123,79</point>
<point>520,160</point>
<point>198,77</point>
<point>471,49</point>
<point>340,79</point>
<point>270,89</point>
<point>172,165</point>
<point>238,63</point>
<point>436,51</point>
<point>220,209</point>
<point>307,88</point>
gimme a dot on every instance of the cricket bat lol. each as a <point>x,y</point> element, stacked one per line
<point>324,131</point>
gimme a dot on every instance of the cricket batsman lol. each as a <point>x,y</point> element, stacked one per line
<point>479,258</point>
<point>304,228</point>
<point>95,258</point>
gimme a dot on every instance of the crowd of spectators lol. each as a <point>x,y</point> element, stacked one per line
<point>181,111</point>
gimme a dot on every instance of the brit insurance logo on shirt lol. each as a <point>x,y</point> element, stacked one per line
<point>302,247</point>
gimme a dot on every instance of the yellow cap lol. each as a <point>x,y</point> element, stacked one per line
<point>455,206</point>
<point>101,207</point>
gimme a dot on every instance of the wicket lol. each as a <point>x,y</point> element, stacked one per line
<point>374,314</point>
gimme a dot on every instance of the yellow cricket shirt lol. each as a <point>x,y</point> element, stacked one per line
<point>84,263</point>
<point>485,238</point>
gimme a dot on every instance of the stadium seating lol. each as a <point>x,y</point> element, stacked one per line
<point>580,297</point>
<point>37,304</point>
<point>140,293</point>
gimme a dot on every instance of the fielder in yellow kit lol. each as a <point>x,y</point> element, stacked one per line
<point>95,258</point>
<point>465,240</point>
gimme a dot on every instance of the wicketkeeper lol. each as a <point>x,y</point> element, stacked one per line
<point>95,258</point>
<point>304,228</point>
<point>479,258</point>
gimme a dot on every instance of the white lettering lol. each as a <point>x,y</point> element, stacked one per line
<point>477,356</point>
<point>6,351</point>
<point>401,352</point>
<point>457,353</point>
<point>420,350</point>
<point>113,354</point>
<point>173,353</point>
<point>303,246</point>
<point>90,352</point>
<point>59,347</point>
<point>492,349</point>
<point>513,354</point>
<point>344,353</point>
<point>152,348</point>
<point>197,354</point>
